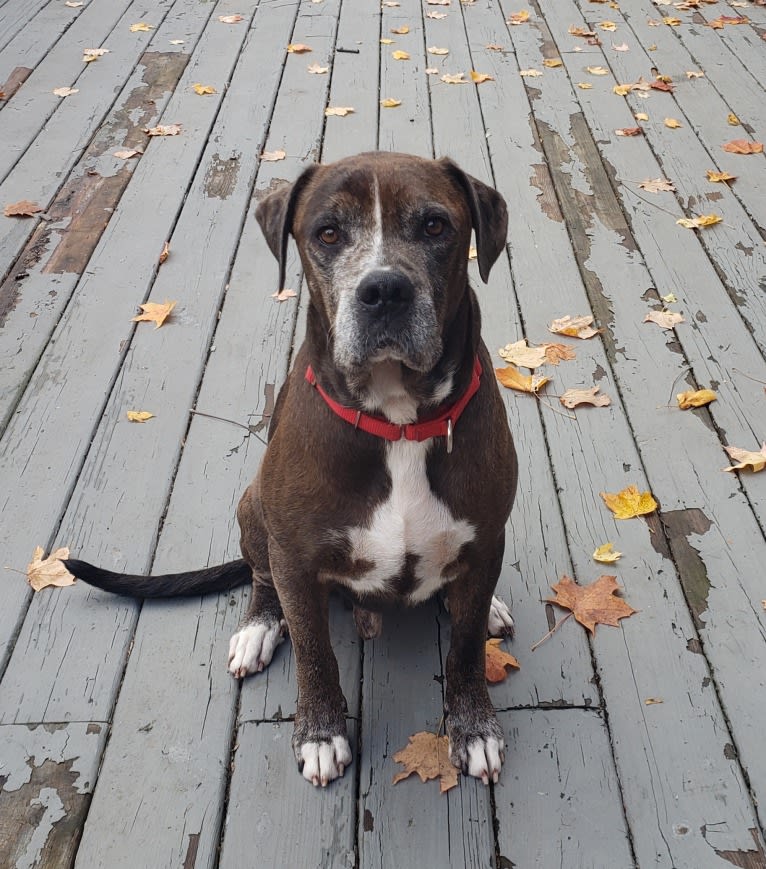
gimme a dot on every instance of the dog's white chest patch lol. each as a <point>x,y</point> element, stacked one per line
<point>412,521</point>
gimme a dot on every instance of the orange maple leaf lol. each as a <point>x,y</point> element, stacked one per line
<point>592,604</point>
<point>514,379</point>
<point>427,755</point>
<point>497,661</point>
<point>154,312</point>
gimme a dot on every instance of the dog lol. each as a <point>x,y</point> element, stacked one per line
<point>390,470</point>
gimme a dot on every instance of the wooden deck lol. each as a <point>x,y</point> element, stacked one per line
<point>123,740</point>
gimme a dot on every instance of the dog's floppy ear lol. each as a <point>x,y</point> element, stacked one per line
<point>488,214</point>
<point>274,214</point>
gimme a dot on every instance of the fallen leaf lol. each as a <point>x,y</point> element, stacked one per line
<point>493,46</point>
<point>597,70</point>
<point>606,554</point>
<point>436,2</point>
<point>629,503</point>
<point>74,4</point>
<point>657,185</point>
<point>719,176</point>
<point>529,73</point>
<point>575,30</point>
<point>512,378</point>
<point>400,31</point>
<point>622,90</point>
<point>621,47</point>
<point>671,22</point>
<point>128,153</point>
<point>91,54</point>
<point>574,397</point>
<point>340,111</point>
<point>518,17</point>
<point>141,27</point>
<point>497,661</point>
<point>317,69</point>
<point>139,415</point>
<point>608,25</point>
<point>555,353</point>
<point>386,41</point>
<point>584,85</point>
<point>65,92</point>
<point>652,22</point>
<point>592,604</point>
<point>203,89</point>
<point>432,70</point>
<point>390,3</point>
<point>660,85</point>
<point>575,327</point>
<point>437,16</point>
<point>479,77</point>
<point>230,19</point>
<point>163,130</point>
<point>154,312</point>
<point>695,398</point>
<point>743,146</point>
<point>519,353</point>
<point>664,319</point>
<point>22,208</point>
<point>427,755</point>
<point>284,295</point>
<point>273,156</point>
<point>672,123</point>
<point>177,42</point>
<point>454,79</point>
<point>164,253</point>
<point>400,55</point>
<point>669,299</point>
<point>641,116</point>
<point>390,103</point>
<point>722,20</point>
<point>298,48</point>
<point>653,701</point>
<point>553,62</point>
<point>42,572</point>
<point>732,120</point>
<point>698,222</point>
<point>694,74</point>
<point>438,51</point>
<point>746,459</point>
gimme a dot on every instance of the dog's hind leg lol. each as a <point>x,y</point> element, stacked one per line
<point>263,628</point>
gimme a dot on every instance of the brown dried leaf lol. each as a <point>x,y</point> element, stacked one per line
<point>593,604</point>
<point>164,253</point>
<point>479,77</point>
<point>400,55</point>
<point>657,185</point>
<point>22,208</point>
<point>575,327</point>
<point>743,146</point>
<point>512,378</point>
<point>230,19</point>
<point>154,312</point>
<point>497,661</point>
<point>339,111</point>
<point>284,295</point>
<point>427,755</point>
<point>42,572</point>
<point>273,156</point>
<point>555,353</point>
<point>574,397</point>
<point>298,48</point>
<point>755,461</point>
<point>660,85</point>
<point>163,130</point>
<point>629,503</point>
<point>695,398</point>
<point>518,17</point>
<point>128,153</point>
<point>664,319</point>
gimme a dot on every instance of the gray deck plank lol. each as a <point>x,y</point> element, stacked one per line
<point>73,381</point>
<point>599,454</point>
<point>562,785</point>
<point>47,774</point>
<point>742,40</point>
<point>15,16</point>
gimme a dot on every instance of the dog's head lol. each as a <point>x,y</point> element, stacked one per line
<point>384,241</point>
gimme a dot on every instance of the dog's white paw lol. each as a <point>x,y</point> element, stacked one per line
<point>252,647</point>
<point>500,619</point>
<point>485,758</point>
<point>326,760</point>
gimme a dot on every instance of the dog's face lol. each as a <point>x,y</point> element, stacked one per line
<point>384,242</point>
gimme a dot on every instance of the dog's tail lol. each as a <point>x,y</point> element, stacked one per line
<point>194,582</point>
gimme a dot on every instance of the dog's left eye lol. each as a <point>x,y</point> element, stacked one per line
<point>329,235</point>
<point>433,226</point>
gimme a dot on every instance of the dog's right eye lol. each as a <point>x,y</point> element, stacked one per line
<point>329,235</point>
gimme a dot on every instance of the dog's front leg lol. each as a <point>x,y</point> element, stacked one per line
<point>475,736</point>
<point>320,742</point>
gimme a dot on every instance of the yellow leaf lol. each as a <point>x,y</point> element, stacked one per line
<point>479,77</point>
<point>141,27</point>
<point>669,299</point>
<point>622,90</point>
<point>203,89</point>
<point>514,379</point>
<point>575,327</point>
<point>641,116</point>
<point>390,103</point>
<point>428,755</point>
<point>400,31</point>
<point>694,74</point>
<point>438,51</point>
<point>519,353</point>
<point>597,70</point>
<point>65,92</point>
<point>697,222</point>
<point>386,41</point>
<point>298,48</point>
<point>519,17</point>
<point>630,503</point>
<point>671,21</point>
<point>606,554</point>
<point>584,85</point>
<point>608,25</point>
<point>720,176</point>
<point>672,123</point>
<point>459,78</point>
<point>732,120</point>
<point>529,73</point>
<point>553,62</point>
<point>154,312</point>
<point>575,397</point>
<point>91,54</point>
<point>746,459</point>
<point>400,55</point>
<point>339,111</point>
<point>139,415</point>
<point>42,572</point>
<point>695,398</point>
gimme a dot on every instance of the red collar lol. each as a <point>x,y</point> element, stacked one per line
<point>440,424</point>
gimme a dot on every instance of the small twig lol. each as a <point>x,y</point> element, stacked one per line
<point>673,384</point>
<point>247,428</point>
<point>550,633</point>
<point>441,724</point>
<point>554,409</point>
<point>755,379</point>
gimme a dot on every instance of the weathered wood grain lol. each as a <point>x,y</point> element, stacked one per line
<point>47,776</point>
<point>15,16</point>
<point>558,802</point>
<point>743,41</point>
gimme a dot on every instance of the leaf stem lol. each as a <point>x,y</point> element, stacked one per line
<point>552,631</point>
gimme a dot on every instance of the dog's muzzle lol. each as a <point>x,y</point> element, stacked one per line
<point>385,299</point>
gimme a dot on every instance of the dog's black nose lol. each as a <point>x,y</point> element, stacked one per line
<point>385,293</point>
